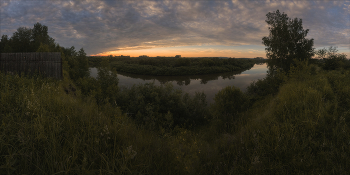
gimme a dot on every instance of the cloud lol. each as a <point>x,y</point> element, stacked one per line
<point>106,25</point>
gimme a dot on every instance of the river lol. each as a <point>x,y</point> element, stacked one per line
<point>209,84</point>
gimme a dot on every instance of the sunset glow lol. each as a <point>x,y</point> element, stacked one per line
<point>193,51</point>
<point>167,28</point>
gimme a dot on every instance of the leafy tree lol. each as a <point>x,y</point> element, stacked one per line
<point>5,44</point>
<point>7,49</point>
<point>163,106</point>
<point>43,48</point>
<point>108,82</point>
<point>286,41</point>
<point>40,35</point>
<point>69,52</point>
<point>79,65</point>
<point>322,53</point>
<point>83,63</point>
<point>27,39</point>
<point>21,40</point>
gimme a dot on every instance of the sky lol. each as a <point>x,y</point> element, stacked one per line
<point>190,28</point>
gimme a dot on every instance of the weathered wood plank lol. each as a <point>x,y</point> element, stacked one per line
<point>49,64</point>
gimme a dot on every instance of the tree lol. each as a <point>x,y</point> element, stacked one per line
<point>332,59</point>
<point>5,44</point>
<point>83,63</point>
<point>286,41</point>
<point>21,40</point>
<point>108,82</point>
<point>78,63</point>
<point>40,35</point>
<point>43,48</point>
<point>27,40</point>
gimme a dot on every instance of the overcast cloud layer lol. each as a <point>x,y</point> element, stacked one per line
<point>106,25</point>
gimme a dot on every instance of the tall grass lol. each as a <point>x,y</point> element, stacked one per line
<point>45,131</point>
<point>302,128</point>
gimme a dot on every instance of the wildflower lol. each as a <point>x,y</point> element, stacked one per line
<point>256,160</point>
<point>130,153</point>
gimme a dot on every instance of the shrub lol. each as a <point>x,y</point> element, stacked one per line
<point>332,59</point>
<point>162,106</point>
<point>266,86</point>
<point>229,102</point>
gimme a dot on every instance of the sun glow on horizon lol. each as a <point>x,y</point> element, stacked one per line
<point>191,51</point>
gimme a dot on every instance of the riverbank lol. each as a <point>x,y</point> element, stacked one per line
<point>301,127</point>
<point>209,84</point>
<point>175,66</point>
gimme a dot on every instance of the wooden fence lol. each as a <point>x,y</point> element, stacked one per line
<point>48,64</point>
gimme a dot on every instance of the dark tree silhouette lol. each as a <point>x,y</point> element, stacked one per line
<point>286,41</point>
<point>27,40</point>
<point>40,36</point>
<point>21,40</point>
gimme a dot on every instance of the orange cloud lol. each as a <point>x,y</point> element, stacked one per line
<point>186,52</point>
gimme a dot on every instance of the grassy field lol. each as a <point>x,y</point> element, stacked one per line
<point>302,127</point>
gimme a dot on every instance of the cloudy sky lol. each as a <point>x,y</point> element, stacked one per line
<point>191,28</point>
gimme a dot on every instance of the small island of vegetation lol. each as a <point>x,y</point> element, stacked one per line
<point>175,65</point>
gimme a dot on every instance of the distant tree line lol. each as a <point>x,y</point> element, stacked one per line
<point>176,66</point>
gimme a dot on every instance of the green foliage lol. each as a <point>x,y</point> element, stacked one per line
<point>332,59</point>
<point>21,40</point>
<point>286,41</point>
<point>301,129</point>
<point>43,48</point>
<point>103,89</point>
<point>94,61</point>
<point>27,40</point>
<point>266,86</point>
<point>40,36</point>
<point>182,62</point>
<point>5,46</point>
<point>296,123</point>
<point>108,81</point>
<point>45,131</point>
<point>163,106</point>
<point>78,64</point>
<point>206,62</point>
<point>176,66</point>
<point>230,101</point>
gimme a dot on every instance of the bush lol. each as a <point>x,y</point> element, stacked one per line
<point>332,59</point>
<point>335,62</point>
<point>104,88</point>
<point>157,107</point>
<point>45,131</point>
<point>229,102</point>
<point>266,86</point>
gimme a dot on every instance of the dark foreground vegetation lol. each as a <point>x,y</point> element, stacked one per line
<point>295,123</point>
<point>175,66</point>
<point>291,122</point>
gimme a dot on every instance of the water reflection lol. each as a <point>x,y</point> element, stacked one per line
<point>183,80</point>
<point>209,84</point>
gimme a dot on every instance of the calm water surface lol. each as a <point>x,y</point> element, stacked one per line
<point>209,84</point>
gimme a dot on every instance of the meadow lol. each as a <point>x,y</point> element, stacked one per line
<point>284,124</point>
<point>294,121</point>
